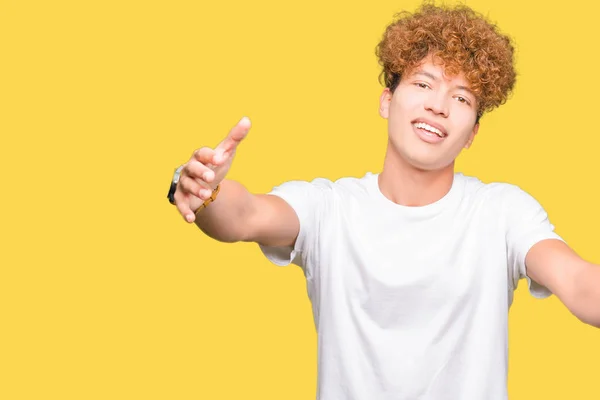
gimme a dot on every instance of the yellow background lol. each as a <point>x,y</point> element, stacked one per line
<point>105,293</point>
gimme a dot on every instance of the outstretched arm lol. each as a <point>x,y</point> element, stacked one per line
<point>575,281</point>
<point>236,214</point>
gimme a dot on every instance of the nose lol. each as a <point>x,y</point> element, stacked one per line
<point>436,103</point>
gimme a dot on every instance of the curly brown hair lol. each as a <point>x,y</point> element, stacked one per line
<point>464,40</point>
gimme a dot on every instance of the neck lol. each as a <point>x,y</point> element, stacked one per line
<point>407,185</point>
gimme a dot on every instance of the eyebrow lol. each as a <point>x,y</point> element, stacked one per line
<point>435,79</point>
<point>427,74</point>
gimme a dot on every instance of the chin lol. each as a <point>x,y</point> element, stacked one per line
<point>418,155</point>
<point>424,161</point>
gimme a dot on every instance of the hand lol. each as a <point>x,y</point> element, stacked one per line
<point>205,170</point>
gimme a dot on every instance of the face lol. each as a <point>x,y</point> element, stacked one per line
<point>431,117</point>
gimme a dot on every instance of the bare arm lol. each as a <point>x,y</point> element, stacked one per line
<point>236,214</point>
<point>575,281</point>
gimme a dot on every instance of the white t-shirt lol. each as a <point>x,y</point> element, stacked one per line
<point>412,302</point>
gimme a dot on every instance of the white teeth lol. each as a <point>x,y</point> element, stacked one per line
<point>423,125</point>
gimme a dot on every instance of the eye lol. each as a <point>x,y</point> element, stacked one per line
<point>422,85</point>
<point>463,100</point>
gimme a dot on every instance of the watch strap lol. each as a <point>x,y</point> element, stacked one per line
<point>212,198</point>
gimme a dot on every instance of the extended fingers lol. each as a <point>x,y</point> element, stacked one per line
<point>235,136</point>
<point>204,155</point>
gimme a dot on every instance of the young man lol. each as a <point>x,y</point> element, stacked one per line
<point>411,271</point>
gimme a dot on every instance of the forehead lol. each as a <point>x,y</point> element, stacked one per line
<point>437,72</point>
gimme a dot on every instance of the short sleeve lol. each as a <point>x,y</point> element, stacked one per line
<point>527,224</point>
<point>309,200</point>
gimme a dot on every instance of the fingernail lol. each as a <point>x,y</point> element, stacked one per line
<point>189,218</point>
<point>245,121</point>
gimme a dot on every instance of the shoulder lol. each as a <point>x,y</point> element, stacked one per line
<point>322,194</point>
<point>306,187</point>
<point>343,185</point>
<point>504,200</point>
<point>496,193</point>
<point>355,184</point>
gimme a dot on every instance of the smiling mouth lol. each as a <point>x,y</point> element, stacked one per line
<point>429,130</point>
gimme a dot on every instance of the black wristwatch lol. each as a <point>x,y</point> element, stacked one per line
<point>173,187</point>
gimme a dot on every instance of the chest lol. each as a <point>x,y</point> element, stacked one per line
<point>397,270</point>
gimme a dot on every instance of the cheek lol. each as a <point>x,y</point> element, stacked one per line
<point>402,110</point>
<point>462,123</point>
<point>465,116</point>
<point>459,138</point>
<point>409,101</point>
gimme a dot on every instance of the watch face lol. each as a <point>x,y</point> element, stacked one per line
<point>177,174</point>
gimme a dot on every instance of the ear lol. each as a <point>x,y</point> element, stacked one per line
<point>384,103</point>
<point>472,136</point>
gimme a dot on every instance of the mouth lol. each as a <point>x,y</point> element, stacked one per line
<point>429,133</point>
